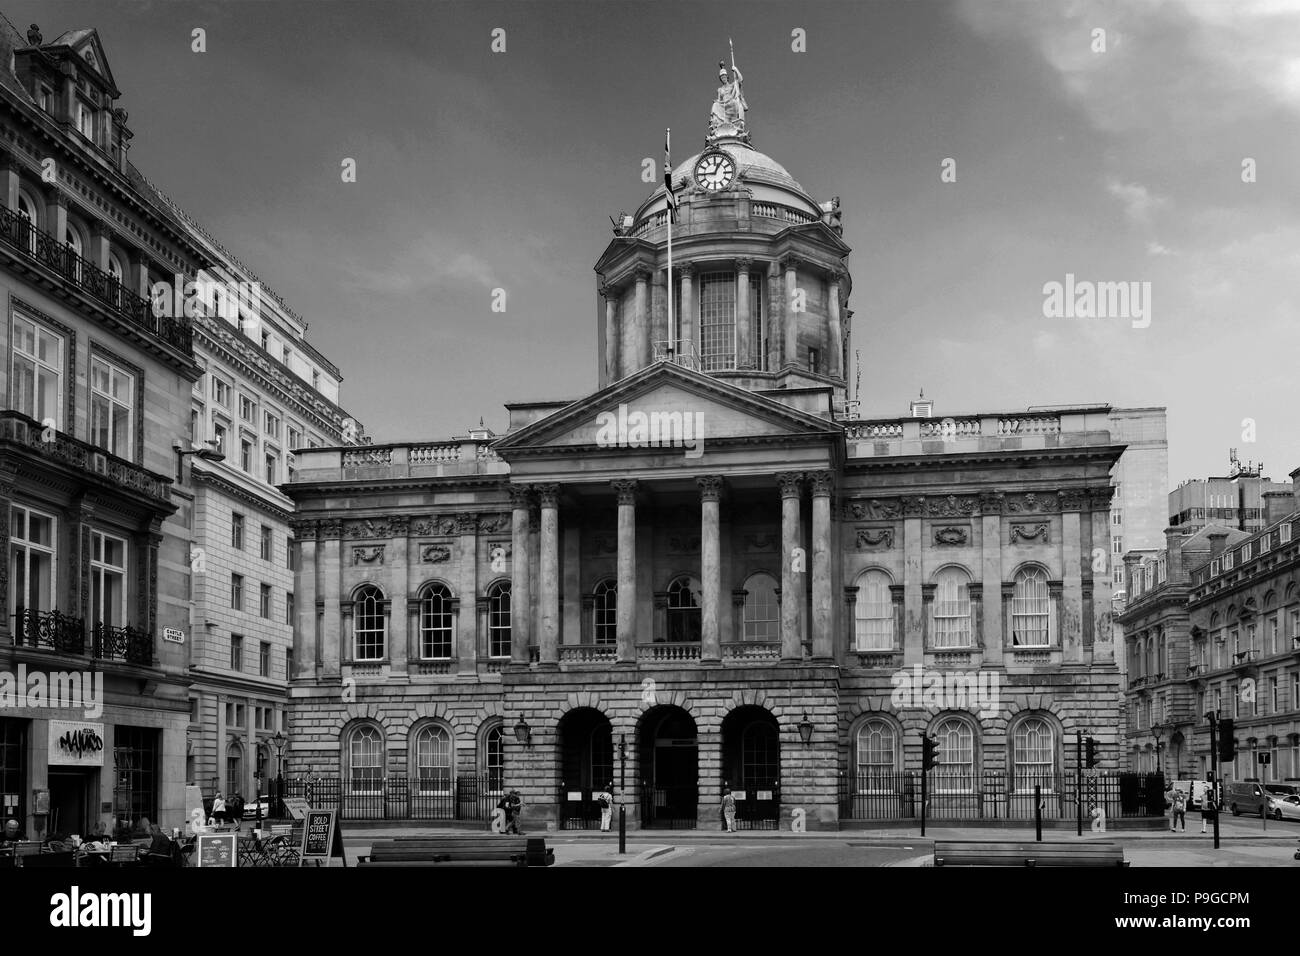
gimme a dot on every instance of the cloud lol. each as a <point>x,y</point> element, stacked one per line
<point>1137,199</point>
<point>1156,249</point>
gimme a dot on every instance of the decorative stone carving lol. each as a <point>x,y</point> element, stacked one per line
<point>331,528</point>
<point>1072,499</point>
<point>492,524</point>
<point>992,502</point>
<point>789,482</point>
<point>366,528</point>
<point>913,506</point>
<point>399,525</point>
<point>520,496</point>
<point>1028,532</point>
<point>1031,502</point>
<point>875,538</point>
<point>823,483</point>
<point>466,524</point>
<point>951,536</point>
<point>435,553</point>
<point>625,488</point>
<point>710,487</point>
<point>370,554</point>
<point>873,509</point>
<point>952,507</point>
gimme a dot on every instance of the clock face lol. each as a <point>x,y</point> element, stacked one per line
<point>715,171</point>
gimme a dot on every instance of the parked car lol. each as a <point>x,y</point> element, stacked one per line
<point>1285,808</point>
<point>250,808</point>
<point>1245,797</point>
<point>1282,789</point>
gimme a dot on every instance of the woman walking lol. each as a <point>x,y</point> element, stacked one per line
<point>729,809</point>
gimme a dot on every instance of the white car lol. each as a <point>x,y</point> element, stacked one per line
<point>1284,808</point>
<point>250,808</point>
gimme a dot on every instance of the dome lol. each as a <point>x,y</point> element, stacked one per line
<point>750,164</point>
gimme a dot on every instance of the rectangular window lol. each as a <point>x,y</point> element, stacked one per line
<point>268,542</point>
<point>288,607</point>
<point>272,468</point>
<point>221,392</point>
<point>295,437</point>
<point>291,555</point>
<point>107,579</point>
<point>237,531</point>
<point>1117,545</point>
<point>814,361</point>
<point>135,772</point>
<point>33,544</point>
<point>37,370</point>
<point>1117,517</point>
<point>288,664</point>
<point>194,710</point>
<point>247,409</point>
<point>1284,533</point>
<point>264,660</point>
<point>246,455</point>
<point>219,436</point>
<point>86,121</point>
<point>266,340</point>
<point>1227,560</point>
<point>237,592</point>
<point>237,653</point>
<point>756,324</point>
<point>264,601</point>
<point>717,320</point>
<point>111,392</point>
<point>239,714</point>
<point>273,425</point>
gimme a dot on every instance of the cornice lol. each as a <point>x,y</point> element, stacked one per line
<point>226,486</point>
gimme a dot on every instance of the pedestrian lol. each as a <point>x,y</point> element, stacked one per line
<point>1208,808</point>
<point>515,813</point>
<point>219,808</point>
<point>729,810</point>
<point>605,800</point>
<point>1180,811</point>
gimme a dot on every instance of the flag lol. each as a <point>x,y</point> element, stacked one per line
<point>668,177</point>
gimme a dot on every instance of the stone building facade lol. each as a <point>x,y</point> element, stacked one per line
<point>705,575</point>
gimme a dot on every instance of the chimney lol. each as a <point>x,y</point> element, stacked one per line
<point>1175,538</point>
<point>1277,505</point>
<point>1217,540</point>
<point>1131,561</point>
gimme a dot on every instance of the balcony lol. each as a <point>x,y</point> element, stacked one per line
<point>460,457</point>
<point>50,630</point>
<point>102,288</point>
<point>668,653</point>
<point>128,644</point>
<point>93,462</point>
<point>746,652</point>
<point>588,653</point>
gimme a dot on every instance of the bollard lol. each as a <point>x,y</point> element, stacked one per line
<point>1038,813</point>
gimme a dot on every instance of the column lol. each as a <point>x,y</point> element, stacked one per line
<point>744,333</point>
<point>1071,615</point>
<point>331,568</point>
<point>915,609</point>
<point>549,574</point>
<point>850,620</point>
<point>710,568</point>
<point>626,614</point>
<point>822,485</point>
<point>775,311</point>
<point>738,596</point>
<point>8,476</point>
<point>399,635</point>
<point>688,348</point>
<point>792,587</point>
<point>611,335</point>
<point>790,335</point>
<point>519,596</point>
<point>991,506</point>
<point>835,360</point>
<point>641,330</point>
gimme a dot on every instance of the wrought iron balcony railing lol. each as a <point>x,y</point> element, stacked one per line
<point>126,643</point>
<point>18,232</point>
<point>51,630</point>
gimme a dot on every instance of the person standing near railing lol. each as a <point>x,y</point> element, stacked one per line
<point>605,800</point>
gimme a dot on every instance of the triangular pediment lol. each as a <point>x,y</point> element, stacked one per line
<point>662,406</point>
<point>86,45</point>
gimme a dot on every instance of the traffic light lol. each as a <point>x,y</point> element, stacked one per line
<point>1090,752</point>
<point>1227,742</point>
<point>929,753</point>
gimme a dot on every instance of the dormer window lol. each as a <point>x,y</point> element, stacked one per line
<point>86,121</point>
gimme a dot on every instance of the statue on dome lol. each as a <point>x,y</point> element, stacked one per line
<point>727,117</point>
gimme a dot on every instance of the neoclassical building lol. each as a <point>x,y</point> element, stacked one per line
<point>710,572</point>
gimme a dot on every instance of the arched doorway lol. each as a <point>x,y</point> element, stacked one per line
<point>586,766</point>
<point>751,766</point>
<point>670,769</point>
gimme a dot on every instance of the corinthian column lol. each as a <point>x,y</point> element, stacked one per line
<point>625,629</point>
<point>822,485</point>
<point>611,334</point>
<point>792,557</point>
<point>790,335</point>
<point>520,595</point>
<point>744,333</point>
<point>641,332</point>
<point>836,344</point>
<point>710,568</point>
<point>549,579</point>
<point>687,346</point>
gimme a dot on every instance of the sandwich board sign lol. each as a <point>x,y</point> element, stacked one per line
<point>296,806</point>
<point>218,850</point>
<point>322,838</point>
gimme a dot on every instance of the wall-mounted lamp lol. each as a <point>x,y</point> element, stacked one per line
<point>523,733</point>
<point>805,728</point>
<point>207,451</point>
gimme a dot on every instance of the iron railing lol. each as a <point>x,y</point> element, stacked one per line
<point>53,630</point>
<point>125,643</point>
<point>669,808</point>
<point>468,797</point>
<point>758,805</point>
<point>996,795</point>
<point>18,232</point>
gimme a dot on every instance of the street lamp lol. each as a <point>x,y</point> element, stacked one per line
<point>805,728</point>
<point>523,733</point>
<point>279,742</point>
<point>208,451</point>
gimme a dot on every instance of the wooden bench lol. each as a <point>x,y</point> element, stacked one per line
<point>993,853</point>
<point>460,851</point>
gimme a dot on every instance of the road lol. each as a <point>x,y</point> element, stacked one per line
<point>787,853</point>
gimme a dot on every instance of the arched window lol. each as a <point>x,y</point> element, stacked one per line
<point>1031,607</point>
<point>604,613</point>
<point>873,613</point>
<point>365,760</point>
<point>370,630</point>
<point>950,610</point>
<point>762,615</point>
<point>234,768</point>
<point>877,756</point>
<point>118,272</point>
<point>27,210</point>
<point>494,758</point>
<point>1033,754</point>
<point>433,752</point>
<point>435,623</point>
<point>72,239</point>
<point>684,622</point>
<point>956,771</point>
<point>499,619</point>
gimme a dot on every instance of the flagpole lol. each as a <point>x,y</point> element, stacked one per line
<point>668,174</point>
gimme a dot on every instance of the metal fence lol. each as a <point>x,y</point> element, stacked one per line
<point>469,797</point>
<point>996,795</point>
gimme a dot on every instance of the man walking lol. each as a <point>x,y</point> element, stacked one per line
<point>1179,811</point>
<point>605,800</point>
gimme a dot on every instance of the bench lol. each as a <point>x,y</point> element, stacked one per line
<point>460,851</point>
<point>993,853</point>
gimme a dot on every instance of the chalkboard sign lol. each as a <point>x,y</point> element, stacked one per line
<point>322,837</point>
<point>218,849</point>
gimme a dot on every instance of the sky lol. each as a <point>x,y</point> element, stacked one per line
<point>981,150</point>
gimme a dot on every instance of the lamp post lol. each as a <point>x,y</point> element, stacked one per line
<point>279,742</point>
<point>622,790</point>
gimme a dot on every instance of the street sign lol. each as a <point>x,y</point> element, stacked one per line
<point>174,634</point>
<point>1265,759</point>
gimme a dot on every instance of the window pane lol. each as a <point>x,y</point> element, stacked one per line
<point>717,320</point>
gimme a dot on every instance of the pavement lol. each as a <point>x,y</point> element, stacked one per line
<point>1240,845</point>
